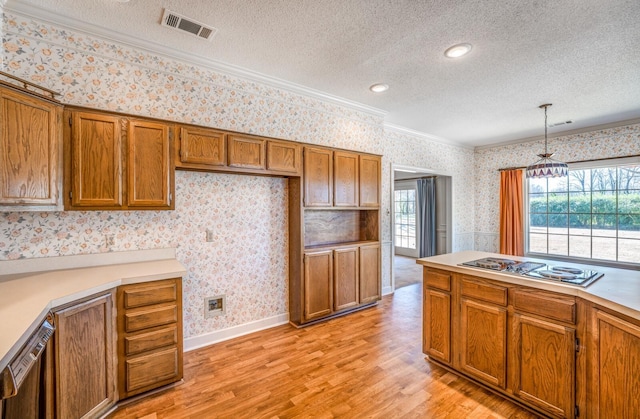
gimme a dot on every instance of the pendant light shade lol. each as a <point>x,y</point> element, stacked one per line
<point>546,166</point>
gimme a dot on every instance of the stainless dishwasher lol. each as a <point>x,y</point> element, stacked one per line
<point>26,384</point>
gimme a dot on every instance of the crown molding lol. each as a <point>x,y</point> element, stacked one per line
<point>423,136</point>
<point>16,6</point>
<point>592,128</point>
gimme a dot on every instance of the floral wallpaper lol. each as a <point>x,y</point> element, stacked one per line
<point>597,144</point>
<point>248,258</point>
<point>457,162</point>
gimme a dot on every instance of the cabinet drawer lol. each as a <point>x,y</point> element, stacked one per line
<point>484,291</point>
<point>156,316</point>
<point>149,370</point>
<point>439,280</point>
<point>553,306</point>
<point>144,296</point>
<point>147,341</point>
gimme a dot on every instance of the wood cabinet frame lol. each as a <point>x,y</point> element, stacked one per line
<point>85,357</point>
<point>108,158</point>
<point>514,327</point>
<point>30,152</point>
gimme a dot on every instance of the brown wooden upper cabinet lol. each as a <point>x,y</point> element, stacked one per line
<point>340,179</point>
<point>201,147</point>
<point>113,162</point>
<point>345,179</point>
<point>246,152</point>
<point>318,177</point>
<point>369,181</point>
<point>284,156</point>
<point>30,151</point>
<point>150,172</point>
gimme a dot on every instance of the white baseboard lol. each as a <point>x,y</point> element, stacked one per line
<point>233,332</point>
<point>387,290</point>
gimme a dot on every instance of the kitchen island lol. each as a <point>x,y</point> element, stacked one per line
<point>556,348</point>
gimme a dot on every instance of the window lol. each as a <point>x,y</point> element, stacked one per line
<point>405,218</point>
<point>594,213</point>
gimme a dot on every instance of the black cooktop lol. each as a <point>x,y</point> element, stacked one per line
<point>537,270</point>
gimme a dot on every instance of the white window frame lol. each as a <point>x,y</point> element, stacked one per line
<point>604,163</point>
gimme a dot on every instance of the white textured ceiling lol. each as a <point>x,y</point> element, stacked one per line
<point>580,55</point>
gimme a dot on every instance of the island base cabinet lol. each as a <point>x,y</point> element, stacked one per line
<point>437,325</point>
<point>85,372</point>
<point>615,366</point>
<point>483,339</point>
<point>543,365</point>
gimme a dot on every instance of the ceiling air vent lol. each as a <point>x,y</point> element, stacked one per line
<point>185,24</point>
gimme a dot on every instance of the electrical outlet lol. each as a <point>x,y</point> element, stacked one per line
<point>214,306</point>
<point>209,235</point>
<point>109,240</point>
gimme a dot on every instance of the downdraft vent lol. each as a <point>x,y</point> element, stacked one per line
<point>185,24</point>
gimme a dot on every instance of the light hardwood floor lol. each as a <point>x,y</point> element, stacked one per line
<point>406,271</point>
<point>368,364</point>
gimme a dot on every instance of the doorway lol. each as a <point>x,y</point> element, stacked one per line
<point>407,224</point>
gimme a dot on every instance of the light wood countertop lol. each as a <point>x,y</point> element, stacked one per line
<point>618,289</point>
<point>25,298</point>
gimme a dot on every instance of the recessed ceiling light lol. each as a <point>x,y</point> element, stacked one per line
<point>379,88</point>
<point>457,50</point>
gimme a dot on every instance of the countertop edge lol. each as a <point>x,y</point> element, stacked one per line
<point>74,284</point>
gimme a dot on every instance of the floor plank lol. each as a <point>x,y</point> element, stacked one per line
<point>365,365</point>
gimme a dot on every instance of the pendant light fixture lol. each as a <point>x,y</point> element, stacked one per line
<point>546,166</point>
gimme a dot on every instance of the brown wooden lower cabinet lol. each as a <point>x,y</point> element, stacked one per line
<point>338,280</point>
<point>483,340</point>
<point>370,273</point>
<point>519,341</point>
<point>84,350</point>
<point>149,336</point>
<point>544,367</point>
<point>318,284</point>
<point>437,326</point>
<point>614,356</point>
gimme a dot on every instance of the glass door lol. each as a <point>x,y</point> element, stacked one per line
<point>405,222</point>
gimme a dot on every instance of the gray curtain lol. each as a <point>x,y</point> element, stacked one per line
<point>427,214</point>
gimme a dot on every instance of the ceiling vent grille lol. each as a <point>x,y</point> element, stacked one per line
<point>188,25</point>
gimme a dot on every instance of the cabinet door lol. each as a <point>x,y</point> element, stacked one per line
<point>149,167</point>
<point>369,181</point>
<point>346,278</point>
<point>483,341</point>
<point>318,177</point>
<point>345,179</point>
<point>246,152</point>
<point>318,280</point>
<point>369,273</point>
<point>615,360</point>
<point>284,157</point>
<point>544,370</point>
<point>437,325</point>
<point>30,141</point>
<point>96,158</point>
<point>202,147</point>
<point>85,374</point>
